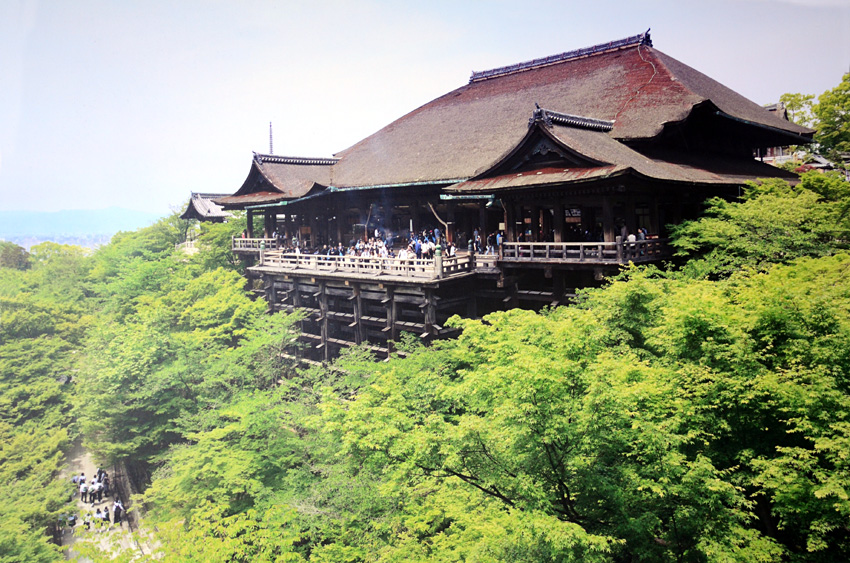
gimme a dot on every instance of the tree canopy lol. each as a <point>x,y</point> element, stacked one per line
<point>697,412</point>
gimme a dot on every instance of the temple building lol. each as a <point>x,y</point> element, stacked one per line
<point>201,207</point>
<point>574,164</point>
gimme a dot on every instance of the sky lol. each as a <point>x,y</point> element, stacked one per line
<point>136,104</point>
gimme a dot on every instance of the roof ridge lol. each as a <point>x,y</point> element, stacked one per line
<point>640,39</point>
<point>549,117</point>
<point>207,194</point>
<point>308,161</point>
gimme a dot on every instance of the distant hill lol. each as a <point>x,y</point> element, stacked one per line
<point>85,227</point>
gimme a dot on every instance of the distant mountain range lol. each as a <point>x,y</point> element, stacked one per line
<point>85,227</point>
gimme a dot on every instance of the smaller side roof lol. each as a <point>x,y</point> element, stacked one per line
<point>202,207</point>
<point>275,178</point>
<point>600,156</point>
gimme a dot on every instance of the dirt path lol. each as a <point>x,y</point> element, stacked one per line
<point>109,537</point>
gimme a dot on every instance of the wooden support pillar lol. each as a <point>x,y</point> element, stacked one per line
<point>323,319</point>
<point>250,224</point>
<point>482,222</point>
<point>450,219</point>
<point>546,223</point>
<point>414,217</point>
<point>299,222</point>
<point>510,221</point>
<point>535,223</point>
<point>560,225</point>
<point>558,287</point>
<point>296,294</point>
<point>338,212</point>
<point>654,217</point>
<point>630,215</point>
<point>392,316</point>
<point>588,219</point>
<point>271,295</point>
<point>271,222</point>
<point>472,306</point>
<point>608,227</point>
<point>358,315</point>
<point>430,311</point>
<point>314,228</point>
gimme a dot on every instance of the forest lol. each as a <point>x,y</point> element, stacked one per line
<point>697,411</point>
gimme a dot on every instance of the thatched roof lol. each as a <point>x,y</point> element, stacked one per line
<point>629,84</point>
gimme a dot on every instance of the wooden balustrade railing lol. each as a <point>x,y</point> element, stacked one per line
<point>595,252</point>
<point>416,268</point>
<point>253,244</point>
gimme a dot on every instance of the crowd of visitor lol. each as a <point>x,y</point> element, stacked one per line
<point>421,245</point>
<point>94,495</point>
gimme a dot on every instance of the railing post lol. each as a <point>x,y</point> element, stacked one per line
<point>438,262</point>
<point>619,241</point>
<point>262,251</point>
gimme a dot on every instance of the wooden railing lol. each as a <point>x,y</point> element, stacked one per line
<point>412,268</point>
<point>187,246</point>
<point>253,244</point>
<point>587,252</point>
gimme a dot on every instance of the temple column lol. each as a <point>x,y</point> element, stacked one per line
<point>250,224</point>
<point>268,223</point>
<point>630,215</point>
<point>654,217</point>
<point>510,221</point>
<point>450,219</point>
<point>546,224</point>
<point>609,229</point>
<point>560,224</point>
<point>323,319</point>
<point>414,214</point>
<point>314,228</point>
<point>482,222</point>
<point>359,337</point>
<point>535,223</point>
<point>338,212</point>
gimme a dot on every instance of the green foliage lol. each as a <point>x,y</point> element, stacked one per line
<point>799,107</point>
<point>773,223</point>
<point>699,414</point>
<point>41,329</point>
<point>13,256</point>
<point>833,114</point>
<point>215,240</point>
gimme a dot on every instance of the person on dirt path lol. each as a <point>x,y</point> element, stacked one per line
<point>92,492</point>
<point>105,485</point>
<point>117,511</point>
<point>84,489</point>
<point>98,489</point>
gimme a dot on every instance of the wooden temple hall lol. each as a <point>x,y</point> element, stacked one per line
<point>568,166</point>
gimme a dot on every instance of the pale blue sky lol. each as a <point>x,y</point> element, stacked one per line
<point>136,104</point>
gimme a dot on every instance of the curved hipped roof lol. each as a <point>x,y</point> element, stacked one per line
<point>202,208</point>
<point>594,155</point>
<point>628,92</point>
<point>459,134</point>
<point>279,178</point>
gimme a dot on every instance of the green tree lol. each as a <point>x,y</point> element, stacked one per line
<point>799,107</point>
<point>13,256</point>
<point>773,223</point>
<point>833,114</point>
